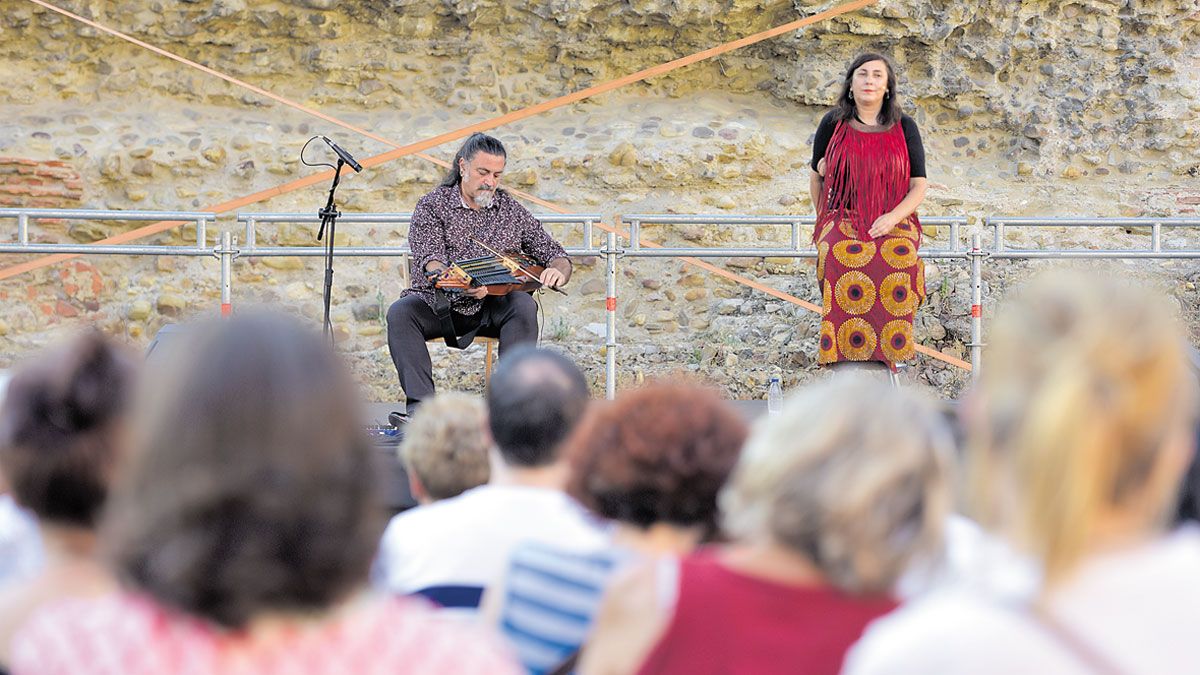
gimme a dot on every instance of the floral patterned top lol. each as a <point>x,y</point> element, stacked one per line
<point>443,226</point>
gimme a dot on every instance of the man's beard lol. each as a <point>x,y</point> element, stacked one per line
<point>485,198</point>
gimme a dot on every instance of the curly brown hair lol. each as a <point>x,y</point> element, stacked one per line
<point>657,454</point>
<point>251,487</point>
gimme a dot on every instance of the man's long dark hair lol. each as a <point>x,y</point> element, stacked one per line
<point>474,145</point>
<point>890,113</point>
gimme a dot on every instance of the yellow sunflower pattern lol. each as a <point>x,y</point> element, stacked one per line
<point>856,339</point>
<point>895,294</point>
<point>852,253</point>
<point>828,345</point>
<point>869,293</point>
<point>896,340</point>
<point>907,230</point>
<point>855,293</point>
<point>898,252</point>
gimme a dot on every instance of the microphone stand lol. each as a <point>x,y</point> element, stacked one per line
<point>329,219</point>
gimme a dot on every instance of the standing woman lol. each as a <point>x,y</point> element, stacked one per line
<point>868,177</point>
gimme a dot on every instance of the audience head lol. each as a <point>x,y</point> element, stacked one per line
<point>250,488</point>
<point>446,444</point>
<point>63,428</point>
<point>534,400</point>
<point>852,476</point>
<point>1084,417</point>
<point>657,454</point>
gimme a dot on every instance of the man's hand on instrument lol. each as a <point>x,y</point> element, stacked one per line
<point>477,292</point>
<point>552,278</point>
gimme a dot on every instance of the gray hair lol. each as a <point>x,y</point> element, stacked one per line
<point>853,475</point>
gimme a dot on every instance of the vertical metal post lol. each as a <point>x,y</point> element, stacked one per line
<point>1156,237</point>
<point>250,233</point>
<point>954,243</point>
<point>201,231</point>
<point>999,242</point>
<point>976,306</point>
<point>795,235</point>
<point>635,237</point>
<point>226,253</point>
<point>23,229</point>
<point>610,330</point>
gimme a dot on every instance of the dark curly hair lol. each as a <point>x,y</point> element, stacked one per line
<point>251,487</point>
<point>61,425</point>
<point>657,454</point>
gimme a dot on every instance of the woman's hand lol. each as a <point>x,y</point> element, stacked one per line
<point>821,167</point>
<point>883,225</point>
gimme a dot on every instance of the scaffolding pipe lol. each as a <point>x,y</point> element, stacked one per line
<point>610,308</point>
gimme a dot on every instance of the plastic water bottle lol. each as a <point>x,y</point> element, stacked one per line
<point>774,397</point>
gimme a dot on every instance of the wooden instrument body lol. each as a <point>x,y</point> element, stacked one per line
<point>500,276</point>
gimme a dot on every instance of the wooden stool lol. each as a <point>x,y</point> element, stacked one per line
<point>489,358</point>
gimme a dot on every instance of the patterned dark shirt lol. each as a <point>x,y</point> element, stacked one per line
<point>442,228</point>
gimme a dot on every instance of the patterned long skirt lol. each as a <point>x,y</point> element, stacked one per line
<point>870,291</point>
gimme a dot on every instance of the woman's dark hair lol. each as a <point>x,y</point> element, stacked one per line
<point>475,144</point>
<point>61,428</point>
<point>657,454</point>
<point>846,110</point>
<point>251,486</point>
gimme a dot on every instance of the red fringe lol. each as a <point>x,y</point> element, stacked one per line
<point>866,175</point>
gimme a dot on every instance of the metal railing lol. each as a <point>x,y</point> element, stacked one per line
<point>227,249</point>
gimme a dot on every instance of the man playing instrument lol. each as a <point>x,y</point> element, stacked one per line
<point>467,216</point>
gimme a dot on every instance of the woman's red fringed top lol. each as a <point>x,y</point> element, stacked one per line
<point>866,175</point>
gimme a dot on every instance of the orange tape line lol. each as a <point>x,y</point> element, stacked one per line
<point>416,148</point>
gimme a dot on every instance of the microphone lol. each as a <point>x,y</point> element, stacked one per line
<point>343,155</point>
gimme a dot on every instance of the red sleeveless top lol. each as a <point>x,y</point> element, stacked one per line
<point>866,175</point>
<point>729,623</point>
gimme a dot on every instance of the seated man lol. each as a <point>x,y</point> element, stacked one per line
<point>463,218</point>
<point>453,549</point>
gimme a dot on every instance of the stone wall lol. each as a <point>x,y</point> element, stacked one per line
<point>1040,107</point>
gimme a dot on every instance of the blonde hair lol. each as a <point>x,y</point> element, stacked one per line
<point>1084,383</point>
<point>853,475</point>
<point>446,445</point>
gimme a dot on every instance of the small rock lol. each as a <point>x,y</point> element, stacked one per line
<point>214,154</point>
<point>370,329</point>
<point>87,232</point>
<point>695,294</point>
<point>787,200</point>
<point>171,304</point>
<point>651,284</point>
<point>1024,169</point>
<point>288,263</point>
<point>1071,172</point>
<point>691,281</point>
<point>139,310</point>
<point>703,132</point>
<point>593,287</point>
<point>4,328</point>
<point>142,167</point>
<point>366,311</point>
<point>726,202</point>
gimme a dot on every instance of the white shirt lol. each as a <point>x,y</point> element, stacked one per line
<point>1137,608</point>
<point>20,542</point>
<point>466,541</point>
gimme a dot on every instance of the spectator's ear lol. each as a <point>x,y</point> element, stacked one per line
<point>417,490</point>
